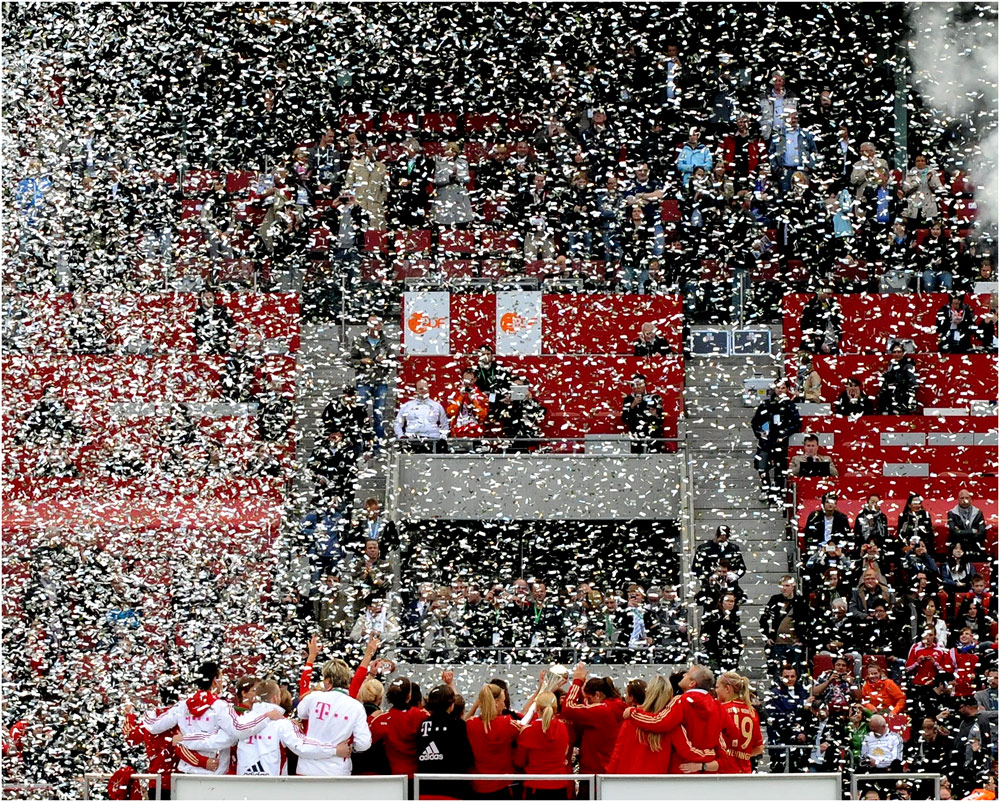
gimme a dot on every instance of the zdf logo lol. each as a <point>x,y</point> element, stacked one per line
<point>419,323</point>
<point>513,323</point>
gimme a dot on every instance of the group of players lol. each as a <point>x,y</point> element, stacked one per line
<point>691,722</point>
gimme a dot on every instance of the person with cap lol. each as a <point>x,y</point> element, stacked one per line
<point>972,746</point>
<point>708,555</point>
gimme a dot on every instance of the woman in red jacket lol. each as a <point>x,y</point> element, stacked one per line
<point>741,738</point>
<point>639,752</point>
<point>596,710</point>
<point>492,737</point>
<point>543,748</point>
<point>398,727</point>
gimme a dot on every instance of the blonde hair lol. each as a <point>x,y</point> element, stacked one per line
<point>489,704</point>
<point>739,684</point>
<point>266,689</point>
<point>371,691</point>
<point>659,694</point>
<point>546,704</point>
<point>337,672</point>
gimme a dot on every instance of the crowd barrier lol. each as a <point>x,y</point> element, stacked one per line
<point>91,780</point>
<point>826,786</point>
<point>882,778</point>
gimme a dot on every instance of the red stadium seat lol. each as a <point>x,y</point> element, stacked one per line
<point>240,181</point>
<point>357,122</point>
<point>415,241</point>
<point>878,659</point>
<point>410,268</point>
<point>899,723</point>
<point>432,149</point>
<point>440,123</point>
<point>376,240</point>
<point>475,123</point>
<point>398,121</point>
<point>713,270</point>
<point>522,124</point>
<point>965,674</point>
<point>475,153</point>
<point>670,210</point>
<point>319,239</point>
<point>457,241</point>
<point>199,182</point>
<point>458,268</point>
<point>500,242</point>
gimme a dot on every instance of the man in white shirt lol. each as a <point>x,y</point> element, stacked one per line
<point>262,754</point>
<point>205,714</point>
<point>882,749</point>
<point>422,422</point>
<point>332,717</point>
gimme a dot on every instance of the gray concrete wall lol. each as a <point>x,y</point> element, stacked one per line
<point>559,487</point>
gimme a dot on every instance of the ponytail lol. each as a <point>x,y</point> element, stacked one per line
<point>659,694</point>
<point>602,685</point>
<point>740,686</point>
<point>488,705</point>
<point>546,704</point>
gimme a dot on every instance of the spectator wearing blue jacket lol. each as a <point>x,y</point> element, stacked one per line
<point>692,156</point>
<point>791,150</point>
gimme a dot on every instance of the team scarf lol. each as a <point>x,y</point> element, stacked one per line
<point>199,703</point>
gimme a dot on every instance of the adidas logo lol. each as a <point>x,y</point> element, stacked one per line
<point>432,752</point>
<point>257,769</point>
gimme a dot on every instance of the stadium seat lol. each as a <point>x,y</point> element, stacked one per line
<point>475,123</point>
<point>440,123</point>
<point>357,122</point>
<point>376,241</point>
<point>456,241</point>
<point>414,241</point>
<point>500,242</point>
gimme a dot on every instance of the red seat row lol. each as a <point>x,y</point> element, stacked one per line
<point>871,321</point>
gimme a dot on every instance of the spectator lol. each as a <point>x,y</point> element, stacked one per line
<point>638,242</point>
<point>827,524</point>
<point>835,688</point>
<point>932,750</point>
<point>773,422</point>
<point>865,172</point>
<point>742,152</point>
<point>809,382</point>
<point>376,619</point>
<point>914,522</point>
<point>451,206</point>
<point>646,193</point>
<point>213,325</point>
<point>346,415</point>
<point>821,324</point>
<point>923,664</point>
<point>775,106</point>
<point>275,414</point>
<point>921,188</point>
<point>610,205</point>
<point>721,581</point>
<point>636,626</point>
<point>538,215</point>
<point>929,617</point>
<point>967,526</point>
<point>853,402</point>
<point>693,155</point>
<point>871,522</point>
<point>721,635</point>
<point>491,378</point>
<point>880,694</point>
<point>671,614</point>
<point>368,177</point>
<point>917,560</point>
<point>334,469</point>
<point>349,221</point>
<point>515,618</point>
<point>710,553</point>
<point>410,180</point>
<point>810,462</point>
<point>838,633</point>
<point>792,150</point>
<point>521,419</point>
<point>548,619</point>
<point>785,713</point>
<point>882,749</point>
<point>372,362</point>
<point>422,422</point>
<point>935,259</point>
<point>972,748</point>
<point>898,395</point>
<point>956,323</point>
<point>871,590</point>
<point>785,624</point>
<point>642,414</point>
<point>650,342</point>
<point>987,701</point>
<point>467,407</point>
<point>579,217</point>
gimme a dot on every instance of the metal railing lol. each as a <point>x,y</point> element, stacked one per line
<point>581,779</point>
<point>91,777</point>
<point>535,655</point>
<point>880,777</point>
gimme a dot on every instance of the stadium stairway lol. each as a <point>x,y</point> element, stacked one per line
<point>720,447</point>
<point>324,368</point>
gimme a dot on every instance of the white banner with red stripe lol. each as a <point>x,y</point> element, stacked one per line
<point>519,323</point>
<point>427,323</point>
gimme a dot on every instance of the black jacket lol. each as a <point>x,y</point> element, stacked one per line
<point>645,420</point>
<point>778,607</point>
<point>443,748</point>
<point>770,434</point>
<point>816,527</point>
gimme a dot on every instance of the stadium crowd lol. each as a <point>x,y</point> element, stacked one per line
<point>647,166</point>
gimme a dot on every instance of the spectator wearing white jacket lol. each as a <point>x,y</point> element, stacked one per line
<point>422,421</point>
<point>882,749</point>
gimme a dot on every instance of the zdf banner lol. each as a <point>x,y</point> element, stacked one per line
<point>427,323</point>
<point>519,323</point>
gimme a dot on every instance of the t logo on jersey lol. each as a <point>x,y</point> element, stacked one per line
<point>322,710</point>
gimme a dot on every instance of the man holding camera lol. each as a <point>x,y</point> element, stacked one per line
<point>642,414</point>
